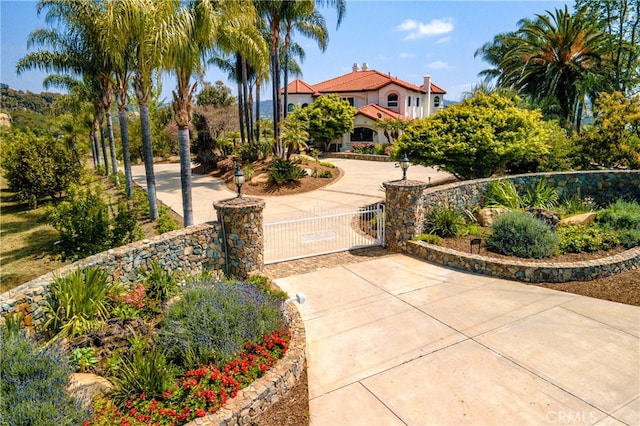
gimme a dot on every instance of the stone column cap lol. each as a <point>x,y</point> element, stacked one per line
<point>239,203</point>
<point>405,185</point>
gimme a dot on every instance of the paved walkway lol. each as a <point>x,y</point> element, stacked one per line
<point>397,341</point>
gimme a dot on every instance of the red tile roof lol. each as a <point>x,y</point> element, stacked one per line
<point>357,81</point>
<point>435,89</point>
<point>362,81</point>
<point>299,86</point>
<point>376,112</point>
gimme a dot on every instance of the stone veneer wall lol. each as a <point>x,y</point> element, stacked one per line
<point>267,390</point>
<point>356,156</point>
<point>603,186</point>
<point>188,250</point>
<point>527,271</point>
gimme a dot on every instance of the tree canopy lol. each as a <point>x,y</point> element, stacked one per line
<point>328,118</point>
<point>475,138</point>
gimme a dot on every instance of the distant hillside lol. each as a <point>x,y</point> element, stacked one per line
<point>447,102</point>
<point>16,100</point>
<point>266,109</point>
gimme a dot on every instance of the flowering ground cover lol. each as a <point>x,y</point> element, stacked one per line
<point>198,392</point>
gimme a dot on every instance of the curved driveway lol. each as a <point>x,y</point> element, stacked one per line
<point>360,185</point>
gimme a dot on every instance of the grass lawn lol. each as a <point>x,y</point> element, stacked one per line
<point>26,242</point>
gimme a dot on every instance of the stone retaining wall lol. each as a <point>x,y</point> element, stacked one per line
<point>188,250</point>
<point>267,390</point>
<point>602,186</point>
<point>356,156</point>
<point>527,271</point>
<point>408,211</point>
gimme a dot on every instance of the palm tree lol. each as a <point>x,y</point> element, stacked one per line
<point>309,22</point>
<point>148,23</point>
<point>275,12</point>
<point>552,57</point>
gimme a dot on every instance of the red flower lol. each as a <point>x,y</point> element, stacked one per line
<point>200,412</point>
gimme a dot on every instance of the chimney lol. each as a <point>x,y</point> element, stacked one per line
<point>427,87</point>
<point>356,67</point>
<point>427,83</point>
<point>365,66</point>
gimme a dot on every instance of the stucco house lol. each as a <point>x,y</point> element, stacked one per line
<point>376,96</point>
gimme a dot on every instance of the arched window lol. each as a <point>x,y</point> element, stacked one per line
<point>408,101</point>
<point>417,101</point>
<point>362,134</point>
<point>392,100</point>
<point>436,101</point>
<point>290,107</point>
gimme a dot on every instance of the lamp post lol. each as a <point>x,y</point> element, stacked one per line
<point>404,165</point>
<point>238,179</point>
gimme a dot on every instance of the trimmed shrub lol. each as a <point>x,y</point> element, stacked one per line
<point>521,235</point>
<point>444,222</point>
<point>33,385</point>
<point>621,215</point>
<point>577,239</point>
<point>212,322</point>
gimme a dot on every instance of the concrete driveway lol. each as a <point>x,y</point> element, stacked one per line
<point>398,341</point>
<point>360,185</point>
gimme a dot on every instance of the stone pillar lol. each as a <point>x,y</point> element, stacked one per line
<point>404,211</point>
<point>242,235</point>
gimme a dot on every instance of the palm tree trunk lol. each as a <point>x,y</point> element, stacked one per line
<point>147,151</point>
<point>126,154</point>
<point>104,150</point>
<point>112,146</point>
<point>93,135</point>
<point>258,109</point>
<point>240,98</point>
<point>185,175</point>
<point>245,100</point>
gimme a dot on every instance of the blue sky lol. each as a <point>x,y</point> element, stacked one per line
<point>408,39</point>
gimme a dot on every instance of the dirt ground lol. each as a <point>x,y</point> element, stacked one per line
<point>306,184</point>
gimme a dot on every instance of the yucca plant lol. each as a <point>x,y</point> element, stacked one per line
<point>159,284</point>
<point>542,195</point>
<point>444,222</point>
<point>503,194</point>
<point>79,302</point>
<point>146,370</point>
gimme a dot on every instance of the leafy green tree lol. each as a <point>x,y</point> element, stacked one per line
<point>613,140</point>
<point>216,95</point>
<point>475,138</point>
<point>620,21</point>
<point>38,166</point>
<point>328,118</point>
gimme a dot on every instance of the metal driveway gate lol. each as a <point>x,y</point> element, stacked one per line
<point>329,233</point>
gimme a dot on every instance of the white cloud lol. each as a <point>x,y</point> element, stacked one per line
<point>438,65</point>
<point>405,55</point>
<point>443,40</point>
<point>416,29</point>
